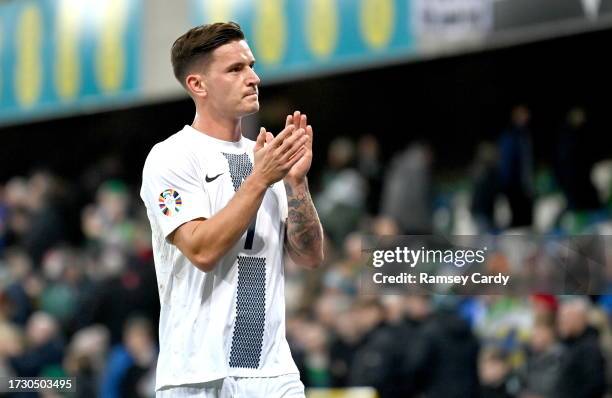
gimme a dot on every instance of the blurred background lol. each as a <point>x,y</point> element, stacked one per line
<point>430,116</point>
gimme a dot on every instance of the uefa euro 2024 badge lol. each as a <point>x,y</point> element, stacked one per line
<point>170,202</point>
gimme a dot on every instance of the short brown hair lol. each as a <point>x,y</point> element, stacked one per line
<point>198,43</point>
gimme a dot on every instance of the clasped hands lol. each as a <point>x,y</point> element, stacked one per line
<point>287,156</point>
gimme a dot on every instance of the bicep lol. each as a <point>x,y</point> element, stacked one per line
<point>184,237</point>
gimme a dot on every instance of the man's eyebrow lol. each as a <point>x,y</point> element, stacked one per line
<point>240,63</point>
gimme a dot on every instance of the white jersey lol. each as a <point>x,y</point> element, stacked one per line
<point>229,321</point>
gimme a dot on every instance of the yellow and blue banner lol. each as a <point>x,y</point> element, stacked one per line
<point>63,55</point>
<point>302,37</point>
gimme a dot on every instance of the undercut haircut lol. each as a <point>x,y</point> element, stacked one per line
<point>197,44</point>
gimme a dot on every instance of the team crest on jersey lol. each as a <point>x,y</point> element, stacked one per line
<point>170,202</point>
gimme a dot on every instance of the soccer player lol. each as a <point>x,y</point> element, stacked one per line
<point>223,210</point>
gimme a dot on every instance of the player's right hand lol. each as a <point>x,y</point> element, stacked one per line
<point>274,156</point>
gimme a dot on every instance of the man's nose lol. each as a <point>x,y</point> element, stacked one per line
<point>253,79</point>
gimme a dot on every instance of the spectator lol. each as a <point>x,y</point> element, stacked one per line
<point>484,174</point>
<point>106,221</point>
<point>4,220</point>
<point>598,318</point>
<point>125,289</point>
<point>368,367</point>
<point>344,342</point>
<point>139,379</point>
<point>59,298</point>
<point>370,167</point>
<point>43,353</point>
<point>451,356</point>
<point>18,216</point>
<point>342,275</point>
<point>574,161</point>
<point>544,308</point>
<point>582,366</point>
<point>384,226</point>
<point>316,360</point>
<point>342,198</point>
<point>516,167</point>
<point>495,373</point>
<point>11,346</point>
<point>406,196</point>
<point>19,267</point>
<point>378,361</point>
<point>47,222</point>
<point>541,373</point>
<point>130,366</point>
<point>85,358</point>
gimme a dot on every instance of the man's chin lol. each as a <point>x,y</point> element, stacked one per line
<point>249,110</point>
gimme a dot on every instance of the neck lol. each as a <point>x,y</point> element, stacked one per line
<point>217,126</point>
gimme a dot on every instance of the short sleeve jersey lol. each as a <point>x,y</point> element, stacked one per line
<point>229,321</point>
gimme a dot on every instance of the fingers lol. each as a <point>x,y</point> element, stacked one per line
<point>269,137</point>
<point>295,147</point>
<point>290,141</point>
<point>296,119</point>
<point>296,156</point>
<point>287,131</point>
<point>261,139</point>
<point>310,135</point>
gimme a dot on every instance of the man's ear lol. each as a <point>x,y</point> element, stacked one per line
<point>196,85</point>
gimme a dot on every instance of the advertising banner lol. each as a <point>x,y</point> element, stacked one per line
<point>59,56</point>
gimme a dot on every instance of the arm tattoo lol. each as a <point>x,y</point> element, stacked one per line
<point>304,233</point>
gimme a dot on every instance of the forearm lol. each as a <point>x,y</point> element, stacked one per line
<point>211,239</point>
<point>304,238</point>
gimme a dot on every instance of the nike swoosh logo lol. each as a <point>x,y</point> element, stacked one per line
<point>211,179</point>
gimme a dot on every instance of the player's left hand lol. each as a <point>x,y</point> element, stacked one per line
<point>297,173</point>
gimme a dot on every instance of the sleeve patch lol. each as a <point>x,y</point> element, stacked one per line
<point>170,202</point>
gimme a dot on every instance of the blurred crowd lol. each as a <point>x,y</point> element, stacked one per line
<point>78,294</point>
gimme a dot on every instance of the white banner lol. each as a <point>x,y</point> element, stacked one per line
<point>450,20</point>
